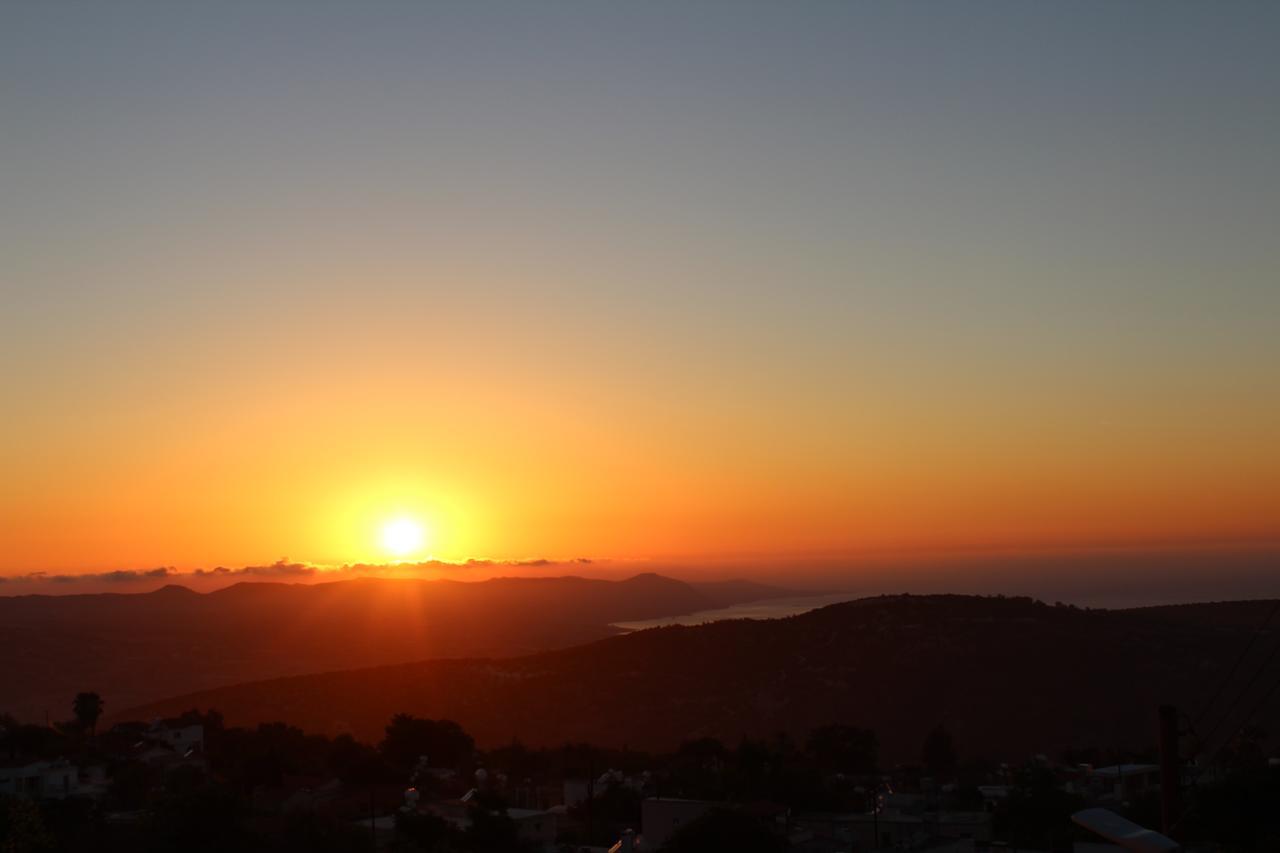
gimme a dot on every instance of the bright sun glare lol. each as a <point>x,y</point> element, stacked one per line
<point>402,536</point>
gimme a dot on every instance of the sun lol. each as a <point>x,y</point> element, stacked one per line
<point>402,537</point>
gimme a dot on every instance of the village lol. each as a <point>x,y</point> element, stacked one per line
<point>427,787</point>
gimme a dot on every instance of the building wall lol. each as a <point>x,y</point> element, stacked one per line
<point>183,738</point>
<point>41,779</point>
<point>660,818</point>
<point>541,827</point>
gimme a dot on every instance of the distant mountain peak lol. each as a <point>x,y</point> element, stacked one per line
<point>650,577</point>
<point>174,589</point>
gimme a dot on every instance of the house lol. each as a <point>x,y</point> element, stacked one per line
<point>94,781</point>
<point>52,780</point>
<point>822,832</point>
<point>1124,781</point>
<point>960,825</point>
<point>534,825</point>
<point>184,740</point>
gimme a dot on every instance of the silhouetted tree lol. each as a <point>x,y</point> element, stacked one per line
<point>211,720</point>
<point>491,829</point>
<point>88,708</point>
<point>844,749</point>
<point>517,760</point>
<point>309,832</point>
<point>1237,814</point>
<point>22,829</point>
<point>408,738</point>
<point>704,749</point>
<point>131,782</point>
<point>724,829</point>
<point>426,832</point>
<point>38,741</point>
<point>197,815</point>
<point>1038,812</point>
<point>357,763</point>
<point>939,752</point>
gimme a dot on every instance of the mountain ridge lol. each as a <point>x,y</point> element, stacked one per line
<point>153,644</point>
<point>897,664</point>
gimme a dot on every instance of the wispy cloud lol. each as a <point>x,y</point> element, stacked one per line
<point>283,568</point>
<point>117,576</point>
<point>280,568</point>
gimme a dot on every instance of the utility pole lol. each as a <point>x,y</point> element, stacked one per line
<point>875,816</point>
<point>1169,774</point>
<point>591,795</point>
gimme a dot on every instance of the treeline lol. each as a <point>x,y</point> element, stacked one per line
<point>275,787</point>
<point>235,794</point>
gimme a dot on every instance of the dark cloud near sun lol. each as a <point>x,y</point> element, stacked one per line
<point>126,576</point>
<point>280,568</point>
<point>117,576</point>
<point>283,568</point>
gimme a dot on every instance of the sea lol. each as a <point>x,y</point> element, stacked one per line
<point>768,608</point>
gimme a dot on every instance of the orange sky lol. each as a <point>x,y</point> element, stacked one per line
<point>605,285</point>
<point>509,467</point>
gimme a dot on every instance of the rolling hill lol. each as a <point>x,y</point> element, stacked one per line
<point>1009,676</point>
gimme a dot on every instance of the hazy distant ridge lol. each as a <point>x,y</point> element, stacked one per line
<point>140,647</point>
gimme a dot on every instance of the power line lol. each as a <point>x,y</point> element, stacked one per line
<point>1257,673</point>
<point>1244,724</point>
<point>1235,667</point>
<point>1257,706</point>
<point>1230,676</point>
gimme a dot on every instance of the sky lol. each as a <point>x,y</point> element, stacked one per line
<point>635,282</point>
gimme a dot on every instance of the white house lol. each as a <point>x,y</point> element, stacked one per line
<point>183,740</point>
<point>1123,781</point>
<point>54,780</point>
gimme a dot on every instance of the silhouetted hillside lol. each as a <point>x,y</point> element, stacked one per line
<point>1007,676</point>
<point>1221,614</point>
<point>136,648</point>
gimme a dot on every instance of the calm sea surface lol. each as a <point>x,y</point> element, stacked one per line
<point>769,608</point>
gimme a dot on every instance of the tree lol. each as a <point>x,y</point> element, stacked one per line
<point>425,831</point>
<point>197,815</point>
<point>408,738</point>
<point>88,708</point>
<point>491,829</point>
<point>939,752</point>
<point>844,749</point>
<point>724,829</point>
<point>22,829</point>
<point>1038,812</point>
<point>358,763</point>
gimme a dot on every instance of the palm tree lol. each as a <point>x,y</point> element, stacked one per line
<point>88,708</point>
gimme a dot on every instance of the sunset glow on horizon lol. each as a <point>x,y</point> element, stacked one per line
<point>409,407</point>
<point>628,284</point>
